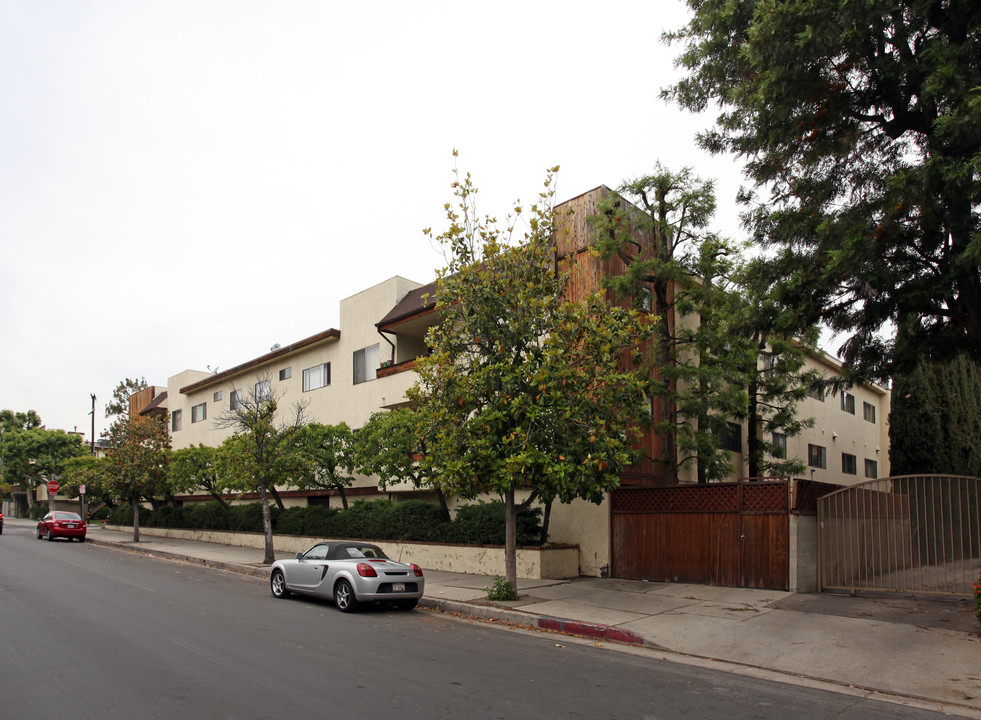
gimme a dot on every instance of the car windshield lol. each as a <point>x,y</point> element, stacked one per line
<point>67,516</point>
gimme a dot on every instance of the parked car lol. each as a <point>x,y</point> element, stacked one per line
<point>350,573</point>
<point>61,523</point>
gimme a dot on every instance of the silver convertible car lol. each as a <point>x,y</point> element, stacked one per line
<point>350,573</point>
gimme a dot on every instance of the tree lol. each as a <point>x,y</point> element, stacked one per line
<point>137,461</point>
<point>91,472</point>
<point>523,389</point>
<point>390,445</point>
<point>261,453</point>
<point>119,405</point>
<point>329,454</point>
<point>858,123</point>
<point>778,378</point>
<point>935,423</point>
<point>197,468</point>
<point>32,454</point>
<point>656,227</point>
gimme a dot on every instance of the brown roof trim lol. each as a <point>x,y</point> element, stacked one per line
<point>415,302</point>
<point>155,404</point>
<point>330,334</point>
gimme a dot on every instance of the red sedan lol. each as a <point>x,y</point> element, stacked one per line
<point>61,524</point>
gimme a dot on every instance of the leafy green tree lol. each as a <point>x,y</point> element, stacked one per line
<point>390,446</point>
<point>137,461</point>
<point>858,122</point>
<point>261,453</point>
<point>31,454</point>
<point>778,378</point>
<point>523,389</point>
<point>119,405</point>
<point>935,422</point>
<point>197,468</point>
<point>656,227</point>
<point>91,472</point>
<point>329,454</point>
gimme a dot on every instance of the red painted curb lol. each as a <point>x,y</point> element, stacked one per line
<point>599,632</point>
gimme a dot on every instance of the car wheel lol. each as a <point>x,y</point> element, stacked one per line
<point>39,533</point>
<point>49,536</point>
<point>344,597</point>
<point>407,604</point>
<point>278,585</point>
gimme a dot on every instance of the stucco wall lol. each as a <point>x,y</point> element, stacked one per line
<point>535,563</point>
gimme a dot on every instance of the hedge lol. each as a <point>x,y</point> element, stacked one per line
<point>409,521</point>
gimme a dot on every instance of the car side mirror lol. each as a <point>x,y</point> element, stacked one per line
<point>299,556</point>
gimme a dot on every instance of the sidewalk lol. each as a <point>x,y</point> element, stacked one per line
<point>921,652</point>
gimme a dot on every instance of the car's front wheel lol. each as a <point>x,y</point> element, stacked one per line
<point>49,536</point>
<point>277,582</point>
<point>39,533</point>
<point>344,597</point>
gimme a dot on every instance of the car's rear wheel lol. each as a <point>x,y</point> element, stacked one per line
<point>278,585</point>
<point>407,604</point>
<point>344,597</point>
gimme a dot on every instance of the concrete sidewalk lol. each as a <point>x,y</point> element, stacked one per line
<point>922,652</point>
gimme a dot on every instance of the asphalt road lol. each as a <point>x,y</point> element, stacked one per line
<point>92,632</point>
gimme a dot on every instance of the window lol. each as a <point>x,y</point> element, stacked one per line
<point>847,402</point>
<point>235,400</point>
<point>199,412</point>
<point>645,299</point>
<point>218,396</point>
<point>817,456</point>
<point>871,468</point>
<point>816,392</point>
<point>770,364</point>
<point>262,391</point>
<point>365,364</point>
<point>868,411</point>
<point>175,421</point>
<point>286,373</point>
<point>779,445</point>
<point>849,465</point>
<point>316,377</point>
<point>732,438</point>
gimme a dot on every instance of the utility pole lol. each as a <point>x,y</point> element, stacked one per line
<point>92,438</point>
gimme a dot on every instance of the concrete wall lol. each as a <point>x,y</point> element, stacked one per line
<point>535,563</point>
<point>803,554</point>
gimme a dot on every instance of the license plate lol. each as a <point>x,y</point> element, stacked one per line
<point>398,587</point>
<point>70,526</point>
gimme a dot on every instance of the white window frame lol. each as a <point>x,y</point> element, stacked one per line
<point>316,377</point>
<point>199,412</point>
<point>366,362</point>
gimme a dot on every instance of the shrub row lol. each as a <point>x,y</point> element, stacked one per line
<point>410,521</point>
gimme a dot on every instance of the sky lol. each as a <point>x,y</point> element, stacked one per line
<point>185,183</point>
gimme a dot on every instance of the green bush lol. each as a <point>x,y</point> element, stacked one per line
<point>411,520</point>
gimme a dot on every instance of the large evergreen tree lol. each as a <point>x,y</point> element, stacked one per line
<point>858,122</point>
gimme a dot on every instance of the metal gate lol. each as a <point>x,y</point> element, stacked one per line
<point>732,534</point>
<point>901,534</point>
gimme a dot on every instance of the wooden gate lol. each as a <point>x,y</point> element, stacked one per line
<point>731,534</point>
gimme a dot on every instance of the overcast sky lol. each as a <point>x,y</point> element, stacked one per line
<point>185,183</point>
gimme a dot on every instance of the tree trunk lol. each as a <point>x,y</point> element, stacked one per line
<point>340,491</point>
<point>136,518</point>
<point>270,557</point>
<point>510,539</point>
<point>275,493</point>
<point>442,503</point>
<point>545,518</point>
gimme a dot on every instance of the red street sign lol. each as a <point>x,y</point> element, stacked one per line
<point>53,486</point>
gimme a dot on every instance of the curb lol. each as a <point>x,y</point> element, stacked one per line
<point>593,631</point>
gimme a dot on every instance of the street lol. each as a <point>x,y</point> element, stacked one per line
<point>92,632</point>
